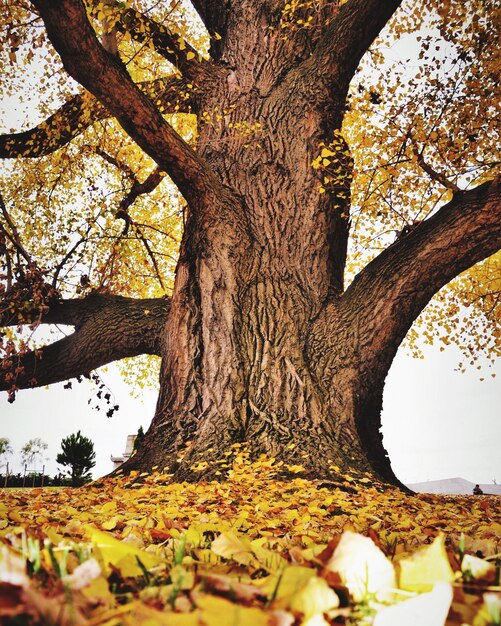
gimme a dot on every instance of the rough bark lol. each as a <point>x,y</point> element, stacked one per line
<point>262,342</point>
<point>106,328</point>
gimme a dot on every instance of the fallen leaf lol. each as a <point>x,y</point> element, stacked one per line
<point>286,583</point>
<point>362,566</point>
<point>479,569</point>
<point>221,612</point>
<point>427,609</point>
<point>427,566</point>
<point>120,554</point>
<point>314,598</point>
<point>230,546</point>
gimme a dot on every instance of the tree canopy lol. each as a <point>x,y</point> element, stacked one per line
<point>139,124</point>
<point>92,211</point>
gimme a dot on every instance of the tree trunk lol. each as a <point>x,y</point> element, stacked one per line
<point>256,269</point>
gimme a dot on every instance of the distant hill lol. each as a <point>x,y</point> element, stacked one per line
<point>453,486</point>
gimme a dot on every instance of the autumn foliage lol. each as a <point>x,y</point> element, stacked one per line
<point>249,551</point>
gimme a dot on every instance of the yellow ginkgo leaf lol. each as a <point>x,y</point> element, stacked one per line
<point>286,583</point>
<point>362,566</point>
<point>315,598</point>
<point>230,546</point>
<point>427,566</point>
<point>119,553</point>
<point>111,523</point>
<point>220,612</point>
<point>478,568</point>
<point>428,608</point>
<point>109,507</point>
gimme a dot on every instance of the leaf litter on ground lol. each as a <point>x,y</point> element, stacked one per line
<point>251,550</point>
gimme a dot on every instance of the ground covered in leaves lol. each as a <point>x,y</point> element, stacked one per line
<point>250,551</point>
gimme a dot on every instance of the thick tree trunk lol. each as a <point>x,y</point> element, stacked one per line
<point>256,269</point>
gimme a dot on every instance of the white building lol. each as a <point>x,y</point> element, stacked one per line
<point>129,447</point>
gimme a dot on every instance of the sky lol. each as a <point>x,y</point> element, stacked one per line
<point>437,422</point>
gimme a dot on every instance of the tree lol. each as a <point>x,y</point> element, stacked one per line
<point>78,453</point>
<point>328,194</point>
<point>5,447</point>
<point>33,451</point>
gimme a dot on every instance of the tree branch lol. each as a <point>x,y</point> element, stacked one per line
<point>397,285</point>
<point>433,174</point>
<point>168,44</point>
<point>13,235</point>
<point>350,34</point>
<point>170,93</point>
<point>85,59</point>
<point>138,189</point>
<point>385,298</point>
<point>107,328</point>
<point>77,311</point>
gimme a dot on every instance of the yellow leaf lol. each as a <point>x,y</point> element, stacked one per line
<point>314,598</point>
<point>362,566</point>
<point>478,568</point>
<point>326,153</point>
<point>221,612</point>
<point>428,608</point>
<point>120,554</point>
<point>230,546</point>
<point>110,523</point>
<point>286,583</point>
<point>271,561</point>
<point>109,507</point>
<point>427,566</point>
<point>190,55</point>
<point>98,591</point>
<point>15,517</point>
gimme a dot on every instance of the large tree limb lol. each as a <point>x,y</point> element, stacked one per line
<point>107,328</point>
<point>169,45</point>
<point>81,111</point>
<point>349,35</point>
<point>103,75</point>
<point>399,283</point>
<point>385,298</point>
<point>78,311</point>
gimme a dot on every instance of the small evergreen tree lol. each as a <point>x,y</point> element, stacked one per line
<point>5,450</point>
<point>78,453</point>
